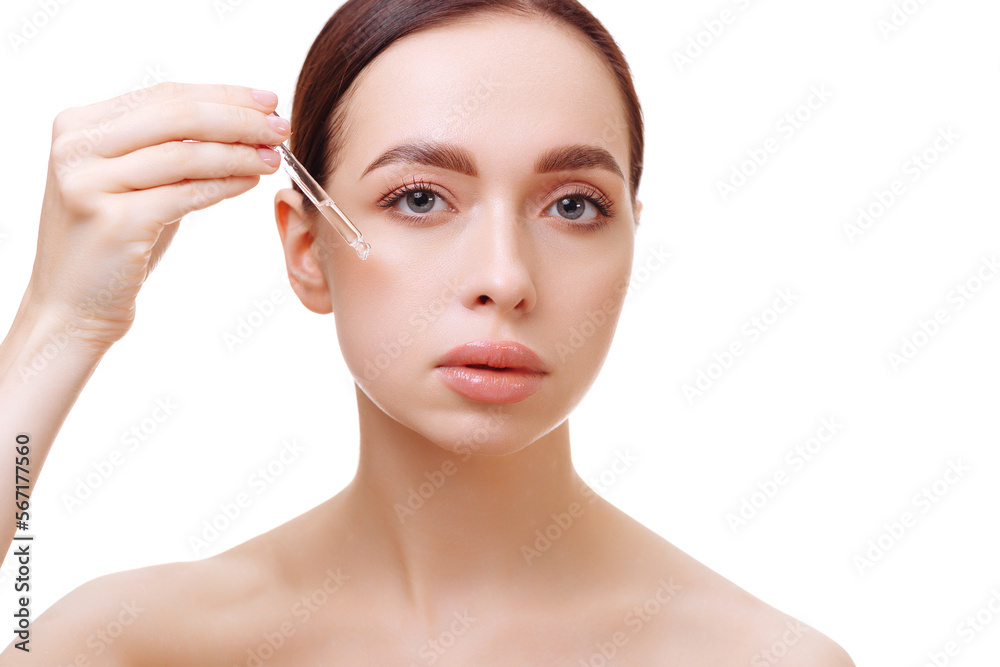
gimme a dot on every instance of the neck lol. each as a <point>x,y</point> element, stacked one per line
<point>442,525</point>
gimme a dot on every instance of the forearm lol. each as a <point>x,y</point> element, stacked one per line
<point>43,369</point>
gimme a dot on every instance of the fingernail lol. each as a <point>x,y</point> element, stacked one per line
<point>279,125</point>
<point>265,97</point>
<point>270,158</point>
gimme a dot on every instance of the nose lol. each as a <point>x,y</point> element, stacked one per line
<point>497,260</point>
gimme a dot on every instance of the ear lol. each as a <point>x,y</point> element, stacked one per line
<point>638,211</point>
<point>302,250</point>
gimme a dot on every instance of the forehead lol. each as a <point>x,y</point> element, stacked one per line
<point>501,84</point>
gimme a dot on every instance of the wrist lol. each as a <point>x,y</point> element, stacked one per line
<point>38,339</point>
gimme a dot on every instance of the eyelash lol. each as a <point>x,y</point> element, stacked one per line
<point>604,205</point>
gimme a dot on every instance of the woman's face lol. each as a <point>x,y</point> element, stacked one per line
<point>478,159</point>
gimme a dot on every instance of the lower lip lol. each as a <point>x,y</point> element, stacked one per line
<point>491,386</point>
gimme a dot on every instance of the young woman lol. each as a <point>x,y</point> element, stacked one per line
<point>491,153</point>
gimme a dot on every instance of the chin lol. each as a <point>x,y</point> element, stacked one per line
<point>495,431</point>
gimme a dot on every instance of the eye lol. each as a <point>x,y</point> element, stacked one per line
<point>573,206</point>
<point>413,198</point>
<point>420,201</point>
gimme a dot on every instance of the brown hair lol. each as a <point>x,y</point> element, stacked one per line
<point>361,29</point>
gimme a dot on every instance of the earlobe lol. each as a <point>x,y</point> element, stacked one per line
<point>302,250</point>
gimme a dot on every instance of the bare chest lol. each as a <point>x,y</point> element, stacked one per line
<point>633,637</point>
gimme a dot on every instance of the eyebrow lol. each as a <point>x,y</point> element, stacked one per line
<point>455,158</point>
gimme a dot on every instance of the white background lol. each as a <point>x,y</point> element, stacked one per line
<point>826,357</point>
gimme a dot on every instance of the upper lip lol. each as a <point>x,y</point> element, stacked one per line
<point>496,354</point>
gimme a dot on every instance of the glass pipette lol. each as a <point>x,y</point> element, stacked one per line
<point>317,195</point>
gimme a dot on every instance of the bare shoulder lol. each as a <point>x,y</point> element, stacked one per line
<point>81,628</point>
<point>764,636</point>
<point>712,621</point>
<point>157,615</point>
<point>127,618</point>
<point>705,619</point>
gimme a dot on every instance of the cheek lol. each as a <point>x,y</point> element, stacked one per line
<point>384,308</point>
<point>587,304</point>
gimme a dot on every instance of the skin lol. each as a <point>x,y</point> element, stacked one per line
<point>353,581</point>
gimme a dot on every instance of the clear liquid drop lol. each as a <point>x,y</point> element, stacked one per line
<point>363,249</point>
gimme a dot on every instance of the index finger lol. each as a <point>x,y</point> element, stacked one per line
<point>111,109</point>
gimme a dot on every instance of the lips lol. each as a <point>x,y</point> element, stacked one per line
<point>495,355</point>
<point>492,371</point>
